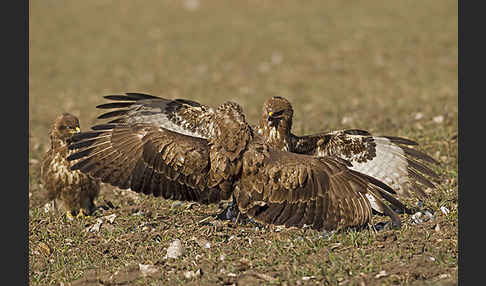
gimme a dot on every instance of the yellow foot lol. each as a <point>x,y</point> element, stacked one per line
<point>69,215</point>
<point>81,214</point>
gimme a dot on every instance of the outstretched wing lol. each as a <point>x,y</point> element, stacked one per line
<point>386,158</point>
<point>290,189</point>
<point>147,149</point>
<point>180,115</point>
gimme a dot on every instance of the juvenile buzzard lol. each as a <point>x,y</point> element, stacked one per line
<point>180,149</point>
<point>386,158</point>
<point>71,191</point>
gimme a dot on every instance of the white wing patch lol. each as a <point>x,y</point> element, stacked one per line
<point>155,116</point>
<point>390,165</point>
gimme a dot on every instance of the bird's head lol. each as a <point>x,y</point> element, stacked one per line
<point>65,126</point>
<point>278,112</point>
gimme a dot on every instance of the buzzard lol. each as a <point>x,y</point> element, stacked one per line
<point>386,158</point>
<point>183,150</point>
<point>70,190</point>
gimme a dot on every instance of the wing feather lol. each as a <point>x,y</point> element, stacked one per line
<point>386,158</point>
<point>148,159</point>
<point>328,195</point>
<point>179,115</point>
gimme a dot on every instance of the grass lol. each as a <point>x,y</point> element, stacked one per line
<point>387,67</point>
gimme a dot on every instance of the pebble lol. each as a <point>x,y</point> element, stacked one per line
<point>110,218</point>
<point>96,227</point>
<point>416,218</point>
<point>429,215</point>
<point>437,228</point>
<point>420,204</point>
<point>444,210</point>
<point>193,274</point>
<point>174,250</point>
<point>438,119</point>
<point>147,269</point>
<point>380,274</point>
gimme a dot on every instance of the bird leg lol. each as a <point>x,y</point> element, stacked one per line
<point>81,214</point>
<point>69,215</point>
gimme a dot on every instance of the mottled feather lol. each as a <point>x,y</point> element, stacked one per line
<point>69,190</point>
<point>386,158</point>
<point>180,149</point>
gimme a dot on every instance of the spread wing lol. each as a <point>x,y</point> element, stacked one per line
<point>296,190</point>
<point>180,115</point>
<point>385,158</point>
<point>149,148</point>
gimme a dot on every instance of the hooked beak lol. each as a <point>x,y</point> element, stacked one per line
<point>76,130</point>
<point>272,121</point>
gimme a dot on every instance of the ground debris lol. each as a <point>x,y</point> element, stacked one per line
<point>110,218</point>
<point>147,269</point>
<point>193,274</point>
<point>444,210</point>
<point>95,227</point>
<point>381,274</point>
<point>174,250</point>
<point>44,248</point>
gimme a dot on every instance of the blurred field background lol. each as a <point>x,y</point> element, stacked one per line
<point>389,67</point>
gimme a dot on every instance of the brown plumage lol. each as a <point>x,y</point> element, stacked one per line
<point>71,191</point>
<point>386,158</point>
<point>180,149</point>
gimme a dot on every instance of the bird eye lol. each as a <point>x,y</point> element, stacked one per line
<point>278,113</point>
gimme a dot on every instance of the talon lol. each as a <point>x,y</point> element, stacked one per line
<point>81,214</point>
<point>69,215</point>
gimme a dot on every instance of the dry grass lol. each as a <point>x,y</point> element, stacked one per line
<point>386,66</point>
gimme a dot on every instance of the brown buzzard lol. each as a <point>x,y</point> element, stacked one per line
<point>180,149</point>
<point>386,158</point>
<point>71,191</point>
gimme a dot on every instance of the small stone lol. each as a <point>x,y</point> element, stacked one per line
<point>96,227</point>
<point>420,204</point>
<point>429,215</point>
<point>416,218</point>
<point>193,274</point>
<point>438,119</point>
<point>444,210</point>
<point>380,274</point>
<point>110,218</point>
<point>431,258</point>
<point>147,269</point>
<point>47,207</point>
<point>305,278</point>
<point>418,116</point>
<point>174,250</point>
<point>437,228</point>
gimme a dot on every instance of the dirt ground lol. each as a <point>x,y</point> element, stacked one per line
<point>389,67</point>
